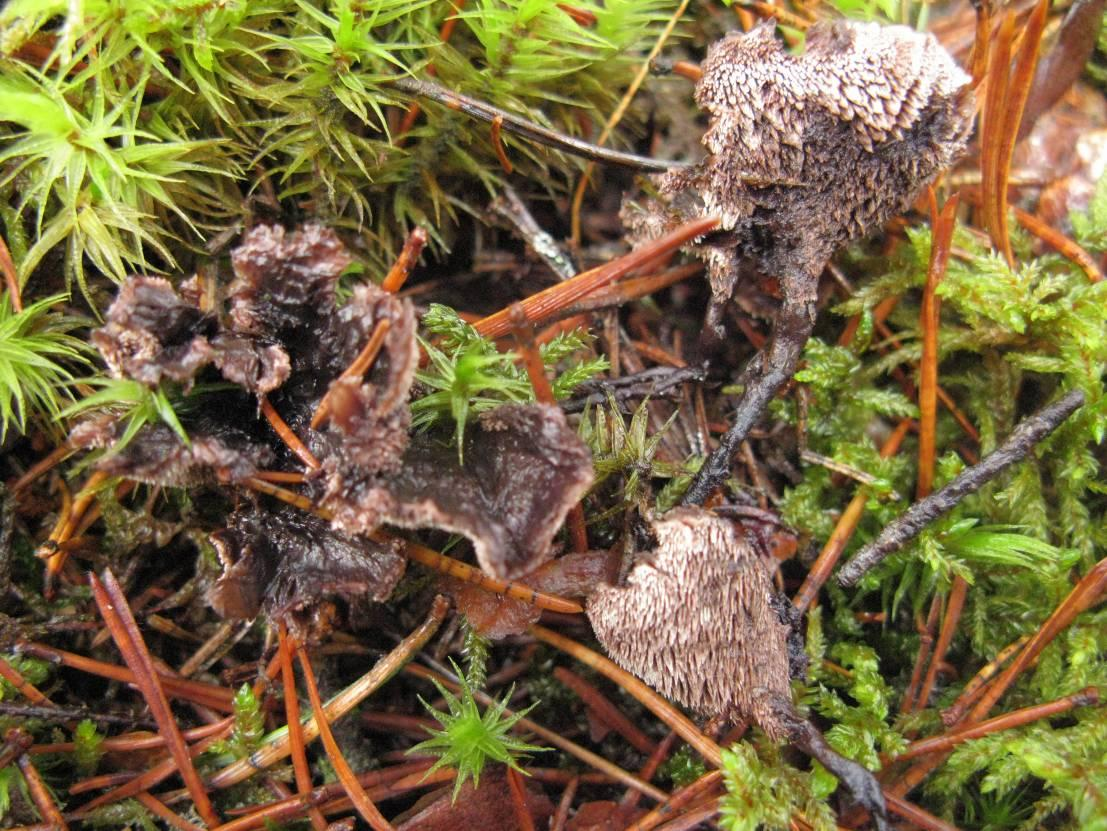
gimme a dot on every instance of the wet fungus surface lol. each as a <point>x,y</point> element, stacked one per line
<point>287,339</point>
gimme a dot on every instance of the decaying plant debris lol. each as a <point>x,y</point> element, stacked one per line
<point>291,483</point>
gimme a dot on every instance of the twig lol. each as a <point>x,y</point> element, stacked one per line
<point>1018,445</point>
<point>649,383</point>
<point>1087,697</point>
<point>528,129</point>
<point>843,530</point>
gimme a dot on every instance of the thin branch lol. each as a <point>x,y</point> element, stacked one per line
<point>528,129</point>
<point>280,747</point>
<point>1018,445</point>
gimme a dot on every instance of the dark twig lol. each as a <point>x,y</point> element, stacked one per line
<point>649,383</point>
<point>766,374</point>
<point>528,129</point>
<point>1022,440</point>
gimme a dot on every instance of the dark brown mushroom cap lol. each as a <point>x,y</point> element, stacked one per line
<point>695,620</point>
<point>152,333</point>
<point>287,563</point>
<point>807,152</point>
<point>524,469</point>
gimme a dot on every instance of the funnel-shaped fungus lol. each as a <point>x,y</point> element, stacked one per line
<point>286,337</point>
<point>290,564</point>
<point>807,152</point>
<point>524,469</point>
<point>696,620</point>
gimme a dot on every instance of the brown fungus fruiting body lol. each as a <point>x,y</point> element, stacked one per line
<point>807,152</point>
<point>804,154</point>
<point>524,469</point>
<point>291,565</point>
<point>696,621</point>
<point>286,337</point>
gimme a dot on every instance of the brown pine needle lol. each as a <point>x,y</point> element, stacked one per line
<point>356,369</point>
<point>11,276</point>
<point>942,223</point>
<point>158,808</point>
<point>673,718</point>
<point>1088,697</point>
<point>1003,107</point>
<point>1087,592</point>
<point>284,432</point>
<point>926,643</point>
<point>498,144</point>
<point>543,305</point>
<point>954,606</point>
<point>681,798</point>
<point>605,710</point>
<point>432,559</point>
<point>116,612</point>
<point>300,769</point>
<point>55,457</point>
<point>524,820</point>
<point>67,525</point>
<point>409,256</point>
<point>40,795</point>
<point>342,769</point>
<point>916,815</point>
<point>22,685</point>
<point>1059,242</point>
<point>197,692</point>
<point>975,688</point>
<point>279,748</point>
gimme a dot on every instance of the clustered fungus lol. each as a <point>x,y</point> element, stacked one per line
<point>285,343</point>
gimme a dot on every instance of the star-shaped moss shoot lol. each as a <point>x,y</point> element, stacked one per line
<point>468,739</point>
